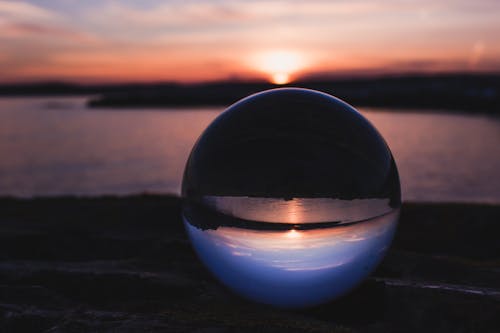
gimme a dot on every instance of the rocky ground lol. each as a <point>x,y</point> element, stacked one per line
<point>125,265</point>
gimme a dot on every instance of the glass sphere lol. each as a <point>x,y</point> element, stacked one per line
<point>291,197</point>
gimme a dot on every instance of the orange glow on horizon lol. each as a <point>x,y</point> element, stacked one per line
<point>279,65</point>
<point>281,42</point>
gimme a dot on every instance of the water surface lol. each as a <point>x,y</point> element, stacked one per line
<point>54,146</point>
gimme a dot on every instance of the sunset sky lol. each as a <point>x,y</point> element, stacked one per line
<point>186,41</point>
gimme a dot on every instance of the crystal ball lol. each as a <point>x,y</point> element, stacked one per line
<point>291,197</point>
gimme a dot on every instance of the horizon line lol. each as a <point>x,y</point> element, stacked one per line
<point>315,77</point>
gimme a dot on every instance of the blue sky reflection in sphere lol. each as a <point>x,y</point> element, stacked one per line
<point>291,197</point>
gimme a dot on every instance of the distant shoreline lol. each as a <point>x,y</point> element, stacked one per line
<point>470,93</point>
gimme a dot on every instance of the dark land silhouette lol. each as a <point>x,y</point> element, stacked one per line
<point>464,92</point>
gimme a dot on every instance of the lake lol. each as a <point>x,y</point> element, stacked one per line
<point>57,146</point>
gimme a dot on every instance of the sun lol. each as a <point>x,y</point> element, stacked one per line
<point>280,78</point>
<point>293,234</point>
<point>279,65</point>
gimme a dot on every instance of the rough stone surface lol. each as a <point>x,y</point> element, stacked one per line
<point>124,265</point>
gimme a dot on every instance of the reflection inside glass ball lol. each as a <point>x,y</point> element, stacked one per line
<point>291,197</point>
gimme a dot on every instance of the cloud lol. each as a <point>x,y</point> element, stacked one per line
<point>220,17</point>
<point>112,15</point>
<point>21,19</point>
<point>15,10</point>
<point>24,29</point>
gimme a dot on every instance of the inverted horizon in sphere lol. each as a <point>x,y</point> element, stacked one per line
<point>291,197</point>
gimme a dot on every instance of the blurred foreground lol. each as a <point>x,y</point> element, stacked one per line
<point>124,264</point>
